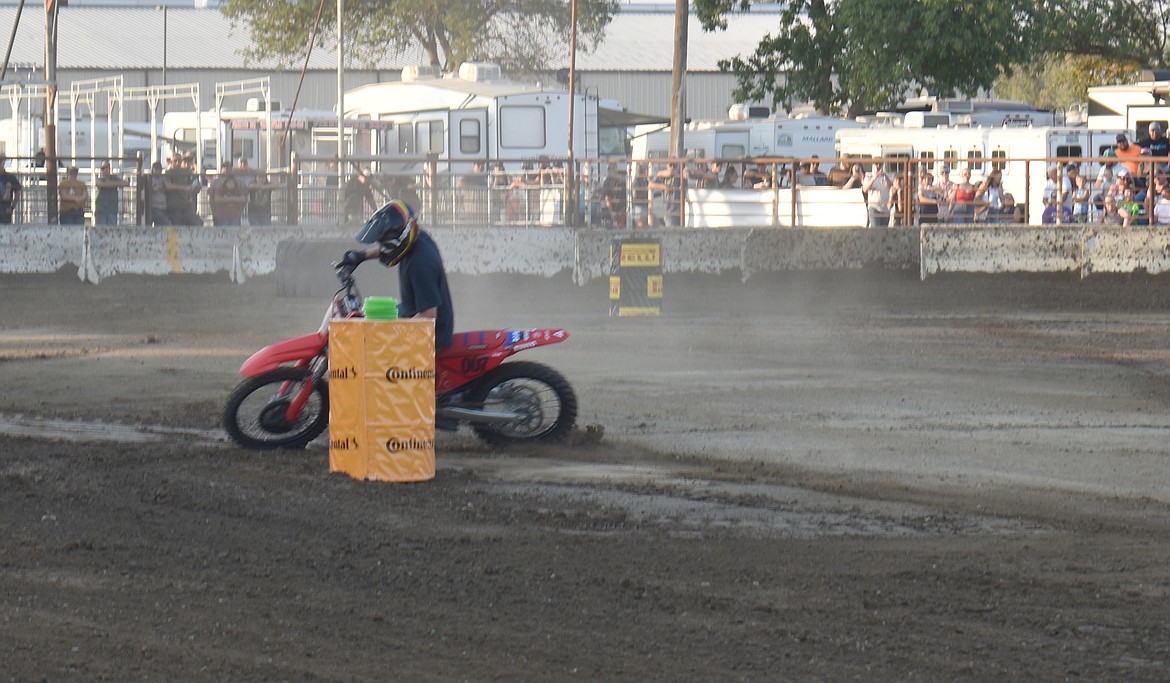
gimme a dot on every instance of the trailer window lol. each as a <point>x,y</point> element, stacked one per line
<point>998,160</point>
<point>469,141</point>
<point>1069,151</point>
<point>975,159</point>
<point>431,137</point>
<point>406,138</point>
<point>732,152</point>
<point>522,127</point>
<point>926,162</point>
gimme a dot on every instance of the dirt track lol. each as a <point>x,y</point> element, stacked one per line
<point>808,477</point>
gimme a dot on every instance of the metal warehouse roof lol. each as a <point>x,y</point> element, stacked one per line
<point>122,38</point>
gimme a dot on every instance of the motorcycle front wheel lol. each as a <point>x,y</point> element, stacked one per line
<point>256,414</point>
<point>541,397</point>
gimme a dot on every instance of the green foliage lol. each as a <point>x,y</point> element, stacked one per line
<point>520,35</point>
<point>855,55</point>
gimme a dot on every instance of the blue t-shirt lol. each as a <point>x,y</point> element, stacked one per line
<point>422,284</point>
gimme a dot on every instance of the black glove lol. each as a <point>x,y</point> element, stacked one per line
<point>352,259</point>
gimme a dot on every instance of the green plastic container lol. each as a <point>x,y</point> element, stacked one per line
<point>380,308</point>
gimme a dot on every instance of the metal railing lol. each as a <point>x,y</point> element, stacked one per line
<point>627,194</point>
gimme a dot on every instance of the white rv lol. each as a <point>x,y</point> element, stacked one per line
<point>92,141</point>
<point>1022,154</point>
<point>744,136</point>
<point>479,114</point>
<point>1131,107</point>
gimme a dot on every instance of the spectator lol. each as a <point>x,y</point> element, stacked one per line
<point>965,202</point>
<point>1133,206</point>
<point>107,204</point>
<point>156,197</point>
<point>473,190</point>
<point>813,174</point>
<point>668,181</point>
<point>944,187</point>
<point>730,178</point>
<point>1082,199</point>
<point>245,176</point>
<point>260,199</point>
<point>1162,207</point>
<point>498,182</point>
<point>180,202</point>
<point>897,197</point>
<point>227,202</point>
<point>1112,214</point>
<point>524,198</point>
<point>74,198</point>
<point>358,195</point>
<point>700,176</point>
<point>1155,145</point>
<point>840,174</point>
<point>928,199</point>
<point>1055,212</point>
<point>613,194</point>
<point>640,196</point>
<point>856,178</point>
<point>10,189</point>
<point>877,186</point>
<point>990,196</point>
<point>753,175</point>
<point>1127,155</point>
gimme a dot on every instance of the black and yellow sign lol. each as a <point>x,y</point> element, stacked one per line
<point>635,280</point>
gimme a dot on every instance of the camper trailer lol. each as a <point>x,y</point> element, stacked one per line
<point>85,145</point>
<point>1131,107</point>
<point>1020,153</point>
<point>478,114</point>
<point>743,135</point>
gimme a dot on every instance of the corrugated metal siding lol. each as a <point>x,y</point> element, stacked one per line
<point>708,94</point>
<point>632,65</point>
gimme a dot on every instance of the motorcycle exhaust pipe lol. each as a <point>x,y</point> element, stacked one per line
<point>477,416</point>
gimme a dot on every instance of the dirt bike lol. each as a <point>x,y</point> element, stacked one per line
<point>284,400</point>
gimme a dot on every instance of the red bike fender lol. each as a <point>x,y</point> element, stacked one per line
<point>298,350</point>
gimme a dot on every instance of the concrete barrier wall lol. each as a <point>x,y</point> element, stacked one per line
<point>246,252</point>
<point>1002,249</point>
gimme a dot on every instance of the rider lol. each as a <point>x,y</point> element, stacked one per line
<point>422,282</point>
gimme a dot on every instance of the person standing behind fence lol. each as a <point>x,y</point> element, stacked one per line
<point>877,186</point>
<point>669,182</point>
<point>640,196</point>
<point>358,195</point>
<point>227,202</point>
<point>108,202</point>
<point>10,189</point>
<point>927,199</point>
<point>156,197</point>
<point>74,197</point>
<point>180,207</point>
<point>260,199</point>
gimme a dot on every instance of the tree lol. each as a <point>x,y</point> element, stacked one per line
<point>856,55</point>
<point>521,35</point>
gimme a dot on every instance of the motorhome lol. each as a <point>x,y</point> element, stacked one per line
<point>1131,107</point>
<point>23,140</point>
<point>746,134</point>
<point>477,114</point>
<point>1022,154</point>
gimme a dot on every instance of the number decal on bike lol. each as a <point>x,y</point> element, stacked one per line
<point>477,364</point>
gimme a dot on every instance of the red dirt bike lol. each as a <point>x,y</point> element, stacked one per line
<point>284,402</point>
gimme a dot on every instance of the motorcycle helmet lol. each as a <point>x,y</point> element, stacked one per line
<point>394,228</point>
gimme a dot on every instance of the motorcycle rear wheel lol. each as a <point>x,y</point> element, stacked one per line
<point>254,416</point>
<point>542,395</point>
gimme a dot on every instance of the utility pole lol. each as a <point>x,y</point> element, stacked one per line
<point>571,171</point>
<point>678,88</point>
<point>51,11</point>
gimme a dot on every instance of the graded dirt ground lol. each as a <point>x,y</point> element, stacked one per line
<point>827,476</point>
